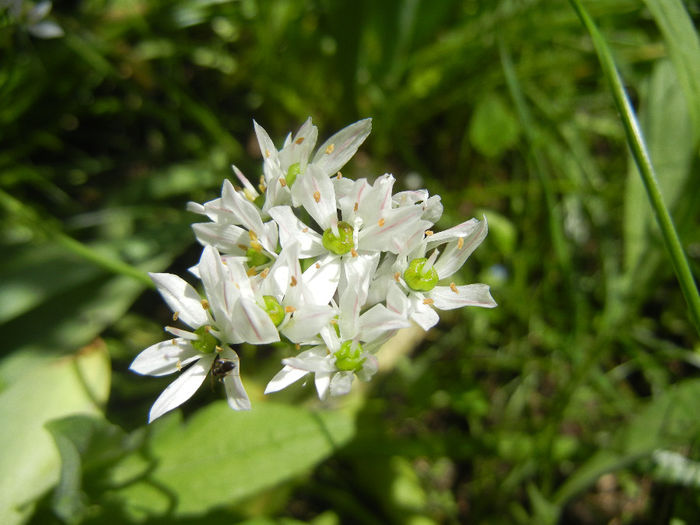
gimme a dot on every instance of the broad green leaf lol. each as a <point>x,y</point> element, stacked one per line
<point>683,49</point>
<point>667,127</point>
<point>220,456</point>
<point>29,463</point>
<point>666,421</point>
<point>493,128</point>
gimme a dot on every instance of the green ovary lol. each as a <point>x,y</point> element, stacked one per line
<point>340,244</point>
<point>349,358</point>
<point>274,309</point>
<point>205,342</point>
<point>419,278</point>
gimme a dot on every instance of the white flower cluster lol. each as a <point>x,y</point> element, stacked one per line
<point>332,265</point>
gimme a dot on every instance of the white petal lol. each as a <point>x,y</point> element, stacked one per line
<point>268,150</point>
<point>46,29</point>
<point>401,228</point>
<point>322,380</point>
<point>182,388</point>
<point>321,279</point>
<point>252,323</point>
<point>224,237</point>
<point>424,316</point>
<point>292,230</point>
<point>447,298</point>
<point>182,298</point>
<point>284,378</point>
<point>164,358</point>
<point>306,323</point>
<point>341,383</point>
<point>318,197</point>
<point>456,252</point>
<point>378,320</point>
<point>337,150</point>
<point>235,392</point>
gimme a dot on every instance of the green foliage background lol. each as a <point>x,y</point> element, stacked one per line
<point>574,401</point>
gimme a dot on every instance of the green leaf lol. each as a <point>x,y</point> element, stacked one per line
<point>493,128</point>
<point>29,463</point>
<point>666,421</point>
<point>683,49</point>
<point>220,456</point>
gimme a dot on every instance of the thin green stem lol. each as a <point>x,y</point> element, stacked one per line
<point>109,263</point>
<point>635,139</point>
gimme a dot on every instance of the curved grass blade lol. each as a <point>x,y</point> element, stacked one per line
<point>635,140</point>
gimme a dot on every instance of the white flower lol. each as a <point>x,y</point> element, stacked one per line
<point>347,352</point>
<point>212,321</point>
<point>415,290</point>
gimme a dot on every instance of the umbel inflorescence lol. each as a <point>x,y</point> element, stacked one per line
<point>332,265</point>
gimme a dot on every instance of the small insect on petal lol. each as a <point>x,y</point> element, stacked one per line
<point>317,196</point>
<point>428,301</point>
<point>453,287</point>
<point>222,367</point>
<point>330,148</point>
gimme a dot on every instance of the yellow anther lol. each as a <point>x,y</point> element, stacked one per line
<point>250,272</point>
<point>283,182</point>
<point>460,243</point>
<point>381,222</point>
<point>317,196</point>
<point>242,247</point>
<point>265,272</point>
<point>253,236</point>
<point>428,301</point>
<point>205,304</point>
<point>356,206</point>
<point>353,252</point>
<point>453,287</point>
<point>176,315</point>
<point>299,140</point>
<point>255,245</point>
<point>305,230</point>
<point>289,309</point>
<point>293,282</point>
<point>428,233</point>
<point>179,365</point>
<point>317,265</point>
<point>218,348</point>
<point>330,148</point>
<point>339,175</point>
<point>397,276</point>
<point>297,346</point>
<point>267,153</point>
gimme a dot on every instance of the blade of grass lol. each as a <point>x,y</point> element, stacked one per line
<point>28,215</point>
<point>635,140</point>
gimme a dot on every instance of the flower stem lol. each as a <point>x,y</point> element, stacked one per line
<point>635,140</point>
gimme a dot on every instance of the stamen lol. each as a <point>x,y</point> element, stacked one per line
<point>330,148</point>
<point>305,230</point>
<point>251,272</point>
<point>381,222</point>
<point>289,309</point>
<point>317,196</point>
<point>253,236</point>
<point>176,315</point>
<point>431,260</point>
<point>205,304</point>
<point>297,346</point>
<point>242,246</point>
<point>265,272</point>
<point>339,175</point>
<point>428,301</point>
<point>460,243</point>
<point>283,182</point>
<point>428,233</point>
<point>267,153</point>
<point>453,287</point>
<point>317,265</point>
<point>179,365</point>
<point>353,252</point>
<point>397,276</point>
<point>356,206</point>
<point>293,281</point>
<point>299,140</point>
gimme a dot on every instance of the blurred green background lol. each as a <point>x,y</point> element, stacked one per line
<point>575,401</point>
